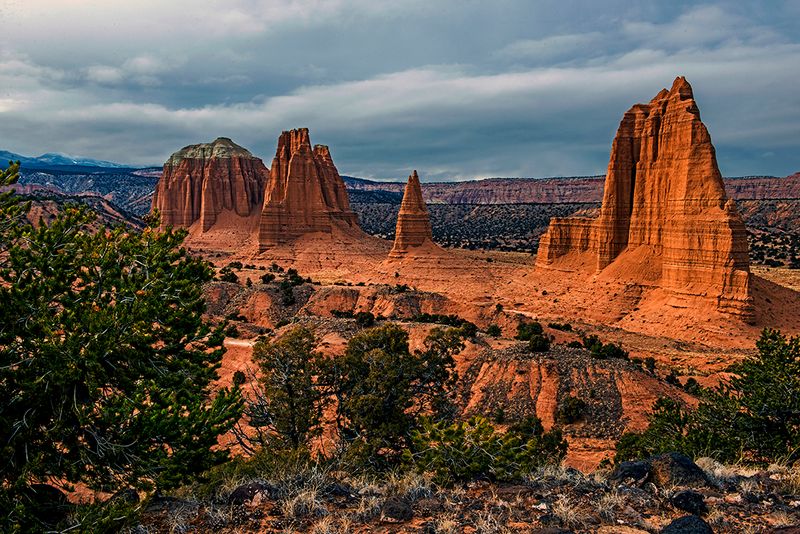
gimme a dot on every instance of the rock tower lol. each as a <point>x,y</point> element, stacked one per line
<point>304,193</point>
<point>200,182</point>
<point>664,198</point>
<point>413,224</point>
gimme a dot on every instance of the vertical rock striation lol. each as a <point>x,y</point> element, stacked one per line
<point>200,182</point>
<point>664,193</point>
<point>413,224</point>
<point>304,192</point>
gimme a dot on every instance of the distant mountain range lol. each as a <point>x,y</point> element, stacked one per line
<point>61,162</point>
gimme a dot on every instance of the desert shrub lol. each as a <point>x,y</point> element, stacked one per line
<point>266,278</point>
<point>287,293</point>
<point>231,331</point>
<point>575,345</point>
<point>275,268</point>
<point>226,275</point>
<point>603,351</point>
<point>248,283</point>
<point>525,331</point>
<point>539,343</point>
<point>468,450</point>
<point>570,410</point>
<point>381,388</point>
<point>467,328</point>
<point>754,416</point>
<point>564,327</point>
<point>493,330</point>
<point>650,364</point>
<point>239,378</point>
<point>693,386</point>
<point>365,319</point>
<point>235,265</point>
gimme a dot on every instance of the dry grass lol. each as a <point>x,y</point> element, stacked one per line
<point>608,504</point>
<point>489,523</point>
<point>369,507</point>
<point>412,486</point>
<point>447,524</point>
<point>304,504</point>
<point>567,511</point>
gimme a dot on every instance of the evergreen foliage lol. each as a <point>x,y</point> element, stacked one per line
<point>105,361</point>
<point>466,450</point>
<point>754,416</point>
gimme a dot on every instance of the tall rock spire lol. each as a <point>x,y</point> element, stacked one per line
<point>199,182</point>
<point>413,223</point>
<point>304,193</point>
<point>664,194</point>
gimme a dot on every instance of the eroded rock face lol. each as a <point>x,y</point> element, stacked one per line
<point>413,223</point>
<point>304,192</point>
<point>664,192</point>
<point>199,182</point>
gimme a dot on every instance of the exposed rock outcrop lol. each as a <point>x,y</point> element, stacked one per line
<point>200,182</point>
<point>664,205</point>
<point>304,193</point>
<point>413,224</point>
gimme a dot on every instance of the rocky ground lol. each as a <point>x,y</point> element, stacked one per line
<point>667,494</point>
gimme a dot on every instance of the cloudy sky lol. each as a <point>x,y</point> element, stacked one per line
<point>454,88</point>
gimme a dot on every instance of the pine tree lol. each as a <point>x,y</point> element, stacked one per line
<point>105,360</point>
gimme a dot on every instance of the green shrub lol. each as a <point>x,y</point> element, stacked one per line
<point>365,319</point>
<point>564,327</point>
<point>239,378</point>
<point>754,416</point>
<point>493,330</point>
<point>235,265</point>
<point>539,343</point>
<point>226,275</point>
<point>570,410</point>
<point>525,331</point>
<point>381,388</point>
<point>266,278</point>
<point>473,449</point>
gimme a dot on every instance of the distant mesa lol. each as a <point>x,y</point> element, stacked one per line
<point>304,193</point>
<point>664,211</point>
<point>413,223</point>
<point>201,182</point>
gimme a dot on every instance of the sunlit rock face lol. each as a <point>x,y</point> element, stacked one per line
<point>304,193</point>
<point>413,223</point>
<point>664,203</point>
<point>201,182</point>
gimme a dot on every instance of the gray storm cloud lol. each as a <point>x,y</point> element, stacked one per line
<point>455,89</point>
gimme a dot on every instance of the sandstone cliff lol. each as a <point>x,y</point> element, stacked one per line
<point>304,192</point>
<point>413,223</point>
<point>665,213</point>
<point>200,182</point>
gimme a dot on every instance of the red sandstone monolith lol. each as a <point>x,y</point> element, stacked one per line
<point>304,193</point>
<point>200,182</point>
<point>664,195</point>
<point>413,223</point>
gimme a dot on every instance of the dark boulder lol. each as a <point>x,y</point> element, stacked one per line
<point>689,524</point>
<point>634,471</point>
<point>247,492</point>
<point>690,501</point>
<point>676,469</point>
<point>396,510</point>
